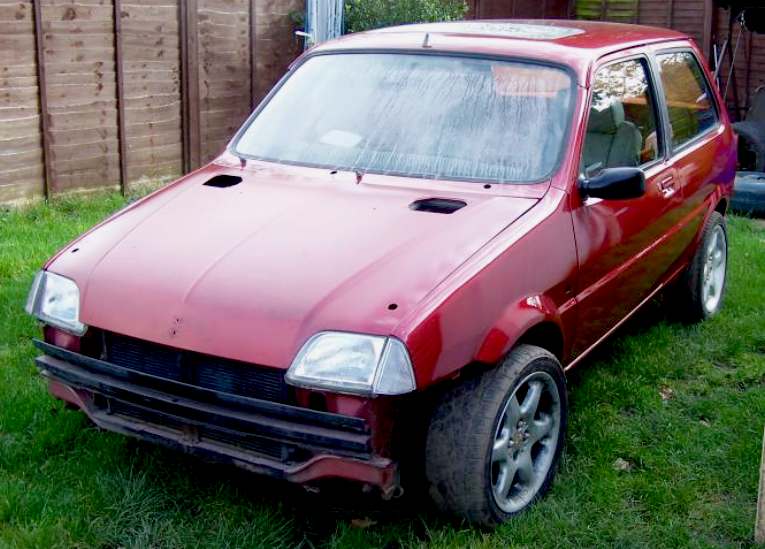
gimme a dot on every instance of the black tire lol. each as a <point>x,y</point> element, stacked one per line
<point>751,145</point>
<point>462,431</point>
<point>689,298</point>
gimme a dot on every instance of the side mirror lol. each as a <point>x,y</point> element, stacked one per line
<point>614,184</point>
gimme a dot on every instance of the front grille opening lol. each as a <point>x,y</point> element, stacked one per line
<point>209,372</point>
<point>223,181</point>
<point>239,441</point>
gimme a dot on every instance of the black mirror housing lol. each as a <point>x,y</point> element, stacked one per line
<point>614,184</point>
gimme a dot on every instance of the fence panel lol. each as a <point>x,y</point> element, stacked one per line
<point>102,93</point>
<point>224,65</point>
<point>80,87</point>
<point>151,66</point>
<point>21,152</point>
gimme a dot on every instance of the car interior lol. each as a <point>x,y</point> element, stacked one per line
<point>621,127</point>
<point>612,140</point>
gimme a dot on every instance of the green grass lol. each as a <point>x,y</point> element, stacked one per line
<point>693,457</point>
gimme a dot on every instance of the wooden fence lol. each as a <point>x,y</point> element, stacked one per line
<point>700,19</point>
<point>98,93</point>
<point>102,93</point>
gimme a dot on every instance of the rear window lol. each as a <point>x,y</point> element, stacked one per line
<point>689,99</point>
<point>427,116</point>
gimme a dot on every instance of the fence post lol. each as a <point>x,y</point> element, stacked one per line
<point>709,21</point>
<point>43,94</point>
<point>120,76</point>
<point>192,149</point>
<point>253,59</point>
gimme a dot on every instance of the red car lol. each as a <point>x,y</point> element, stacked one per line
<point>387,274</point>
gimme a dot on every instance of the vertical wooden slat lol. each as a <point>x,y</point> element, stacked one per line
<point>253,46</point>
<point>715,30</point>
<point>709,9</point>
<point>120,77</point>
<point>603,9</point>
<point>748,81</point>
<point>192,145</point>
<point>48,184</point>
<point>670,13</point>
<point>184,51</point>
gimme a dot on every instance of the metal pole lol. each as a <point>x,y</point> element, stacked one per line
<point>735,51</point>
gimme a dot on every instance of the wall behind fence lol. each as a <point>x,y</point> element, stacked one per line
<point>101,93</point>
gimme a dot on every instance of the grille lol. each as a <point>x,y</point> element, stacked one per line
<point>217,374</point>
<point>257,445</point>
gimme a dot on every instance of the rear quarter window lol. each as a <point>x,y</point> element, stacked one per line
<point>689,99</point>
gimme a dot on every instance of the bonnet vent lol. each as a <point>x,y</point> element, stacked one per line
<point>222,181</point>
<point>437,205</point>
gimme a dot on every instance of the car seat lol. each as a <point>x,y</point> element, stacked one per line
<point>611,141</point>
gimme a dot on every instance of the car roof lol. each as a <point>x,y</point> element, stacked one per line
<point>567,33</point>
<point>574,43</point>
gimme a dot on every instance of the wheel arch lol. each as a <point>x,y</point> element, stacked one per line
<point>547,335</point>
<point>534,321</point>
<point>722,206</point>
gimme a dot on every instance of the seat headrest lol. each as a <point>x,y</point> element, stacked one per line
<point>606,120</point>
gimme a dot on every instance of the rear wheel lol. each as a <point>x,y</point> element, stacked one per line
<point>495,440</point>
<point>702,289</point>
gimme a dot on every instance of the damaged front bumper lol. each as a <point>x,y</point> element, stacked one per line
<point>280,440</point>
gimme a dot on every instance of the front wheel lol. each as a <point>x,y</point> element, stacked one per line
<point>495,440</point>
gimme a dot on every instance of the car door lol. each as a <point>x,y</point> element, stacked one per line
<point>696,140</point>
<point>620,242</point>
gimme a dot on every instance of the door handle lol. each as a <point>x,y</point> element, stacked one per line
<point>667,186</point>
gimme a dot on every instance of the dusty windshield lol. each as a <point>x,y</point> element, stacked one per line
<point>424,116</point>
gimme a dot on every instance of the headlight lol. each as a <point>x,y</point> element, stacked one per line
<point>55,300</point>
<point>353,363</point>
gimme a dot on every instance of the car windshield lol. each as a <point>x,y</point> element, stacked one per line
<point>426,116</point>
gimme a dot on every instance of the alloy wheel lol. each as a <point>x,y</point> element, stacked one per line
<point>525,442</point>
<point>713,275</point>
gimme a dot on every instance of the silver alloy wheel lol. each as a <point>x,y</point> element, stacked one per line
<point>713,276</point>
<point>525,442</point>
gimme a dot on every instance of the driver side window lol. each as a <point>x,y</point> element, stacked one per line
<point>621,128</point>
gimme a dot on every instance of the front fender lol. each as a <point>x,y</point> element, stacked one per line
<point>523,277</point>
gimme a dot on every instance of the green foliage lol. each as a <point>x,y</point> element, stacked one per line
<point>621,11</point>
<point>298,19</point>
<point>361,15</point>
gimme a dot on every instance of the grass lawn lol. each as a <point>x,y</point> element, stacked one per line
<point>682,407</point>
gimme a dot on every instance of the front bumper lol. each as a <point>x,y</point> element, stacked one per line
<point>280,440</point>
